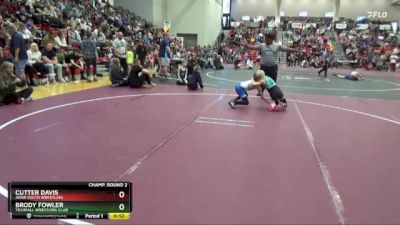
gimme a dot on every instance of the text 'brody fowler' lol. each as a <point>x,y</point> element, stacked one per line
<point>39,204</point>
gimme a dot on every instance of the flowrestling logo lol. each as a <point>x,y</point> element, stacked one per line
<point>377,14</point>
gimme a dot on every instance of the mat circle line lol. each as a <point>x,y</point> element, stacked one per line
<point>317,88</point>
<point>6,124</point>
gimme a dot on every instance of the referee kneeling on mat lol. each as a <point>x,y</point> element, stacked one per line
<point>269,55</point>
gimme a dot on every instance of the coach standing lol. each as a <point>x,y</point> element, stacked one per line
<point>90,56</point>
<point>120,48</point>
<point>269,55</point>
<point>19,51</point>
<point>164,55</point>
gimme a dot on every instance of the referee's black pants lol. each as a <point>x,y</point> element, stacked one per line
<point>271,71</point>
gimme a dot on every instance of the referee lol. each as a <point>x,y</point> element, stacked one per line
<point>269,55</point>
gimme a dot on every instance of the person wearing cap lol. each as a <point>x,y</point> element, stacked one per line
<point>19,50</point>
<point>269,55</point>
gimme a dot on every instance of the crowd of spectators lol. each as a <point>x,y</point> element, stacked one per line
<point>56,29</point>
<point>314,41</point>
<point>371,49</point>
<point>233,50</point>
<point>49,41</point>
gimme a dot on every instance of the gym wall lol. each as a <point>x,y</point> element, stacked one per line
<point>252,8</point>
<point>201,17</point>
<point>142,8</point>
<point>315,8</point>
<point>354,8</point>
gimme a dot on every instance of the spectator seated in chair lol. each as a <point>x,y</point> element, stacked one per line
<point>65,66</point>
<point>35,66</point>
<point>75,63</point>
<point>49,56</point>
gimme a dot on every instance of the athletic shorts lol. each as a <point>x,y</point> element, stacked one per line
<point>241,91</point>
<point>276,93</point>
<point>164,61</point>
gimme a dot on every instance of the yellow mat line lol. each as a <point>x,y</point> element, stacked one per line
<point>44,91</point>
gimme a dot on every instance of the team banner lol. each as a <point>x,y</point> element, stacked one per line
<point>385,27</point>
<point>361,26</point>
<point>341,26</point>
<point>297,25</point>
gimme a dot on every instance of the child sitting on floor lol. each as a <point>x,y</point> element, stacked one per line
<point>116,74</point>
<point>194,80</point>
<point>138,76</point>
<point>182,74</point>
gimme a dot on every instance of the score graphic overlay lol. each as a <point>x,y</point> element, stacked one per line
<point>70,200</point>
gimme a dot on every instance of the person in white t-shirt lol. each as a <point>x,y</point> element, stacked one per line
<point>394,59</point>
<point>60,39</point>
<point>119,50</point>
<point>35,66</point>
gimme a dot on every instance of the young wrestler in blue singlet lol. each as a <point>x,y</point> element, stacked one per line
<point>242,88</point>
